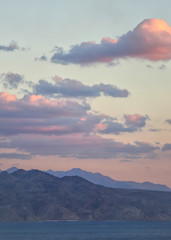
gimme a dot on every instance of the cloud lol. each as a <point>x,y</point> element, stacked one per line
<point>77,146</point>
<point>151,39</point>
<point>168,121</point>
<point>73,88</point>
<point>155,129</point>
<point>42,58</point>
<point>167,147</point>
<point>149,66</point>
<point>36,114</point>
<point>136,120</point>
<point>40,115</point>
<point>132,123</point>
<point>113,127</point>
<point>162,67</point>
<point>15,156</point>
<point>41,126</point>
<point>11,80</point>
<point>13,45</point>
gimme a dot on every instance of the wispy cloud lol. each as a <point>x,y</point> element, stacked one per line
<point>151,39</point>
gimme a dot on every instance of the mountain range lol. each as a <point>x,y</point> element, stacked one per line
<point>106,181</point>
<point>98,178</point>
<point>38,196</point>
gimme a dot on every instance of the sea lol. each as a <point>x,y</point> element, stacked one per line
<point>86,230</point>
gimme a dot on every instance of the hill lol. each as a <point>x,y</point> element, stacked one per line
<point>34,195</point>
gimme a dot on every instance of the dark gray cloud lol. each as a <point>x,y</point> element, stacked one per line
<point>151,40</point>
<point>74,88</point>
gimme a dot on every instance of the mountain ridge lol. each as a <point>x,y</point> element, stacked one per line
<point>100,179</point>
<point>35,195</point>
<point>106,181</point>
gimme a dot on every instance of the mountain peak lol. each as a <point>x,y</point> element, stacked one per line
<point>11,170</point>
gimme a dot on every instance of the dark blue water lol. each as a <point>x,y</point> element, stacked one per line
<point>82,230</point>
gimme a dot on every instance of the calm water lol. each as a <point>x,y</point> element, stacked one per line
<point>80,230</point>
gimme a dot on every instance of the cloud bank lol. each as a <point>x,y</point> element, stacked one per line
<point>77,146</point>
<point>36,125</point>
<point>40,115</point>
<point>151,39</point>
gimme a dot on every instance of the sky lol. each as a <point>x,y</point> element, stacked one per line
<point>86,84</point>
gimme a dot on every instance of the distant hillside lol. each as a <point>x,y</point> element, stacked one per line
<point>34,195</point>
<point>100,179</point>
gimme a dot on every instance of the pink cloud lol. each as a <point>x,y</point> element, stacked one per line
<point>37,114</point>
<point>151,39</point>
<point>6,97</point>
<point>39,126</point>
<point>101,126</point>
<point>41,115</point>
<point>136,120</point>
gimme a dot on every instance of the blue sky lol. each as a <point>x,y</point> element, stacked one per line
<point>102,102</point>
